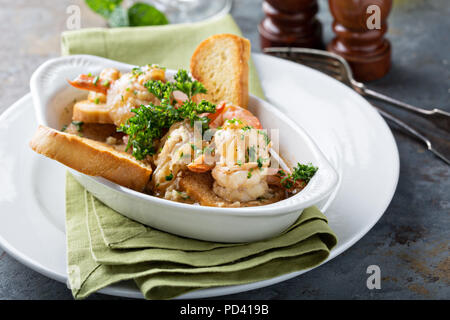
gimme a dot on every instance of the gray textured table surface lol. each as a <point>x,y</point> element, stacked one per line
<point>411,241</point>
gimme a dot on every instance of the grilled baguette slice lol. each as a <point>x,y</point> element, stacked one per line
<point>221,63</point>
<point>91,157</point>
<point>95,131</point>
<point>90,112</point>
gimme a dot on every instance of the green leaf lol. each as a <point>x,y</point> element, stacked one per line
<point>187,85</point>
<point>304,172</point>
<point>151,121</point>
<point>301,172</point>
<point>160,89</point>
<point>118,18</point>
<point>103,7</point>
<point>142,14</point>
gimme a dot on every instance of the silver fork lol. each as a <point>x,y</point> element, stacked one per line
<point>339,69</point>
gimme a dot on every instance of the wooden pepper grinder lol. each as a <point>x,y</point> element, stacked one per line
<point>290,23</point>
<point>360,26</point>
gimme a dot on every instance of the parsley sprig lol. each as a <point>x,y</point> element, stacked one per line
<point>150,122</point>
<point>301,173</point>
<point>185,84</point>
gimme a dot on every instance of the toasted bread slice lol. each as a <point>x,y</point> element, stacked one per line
<point>90,112</point>
<point>95,131</point>
<point>199,187</point>
<point>221,64</point>
<point>91,157</point>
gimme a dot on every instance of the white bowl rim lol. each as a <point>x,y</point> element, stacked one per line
<point>279,208</point>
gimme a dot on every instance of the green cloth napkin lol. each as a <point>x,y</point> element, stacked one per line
<point>100,252</point>
<point>103,247</point>
<point>170,46</point>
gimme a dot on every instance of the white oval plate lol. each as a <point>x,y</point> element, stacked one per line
<point>351,134</point>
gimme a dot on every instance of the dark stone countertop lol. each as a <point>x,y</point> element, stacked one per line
<point>411,241</point>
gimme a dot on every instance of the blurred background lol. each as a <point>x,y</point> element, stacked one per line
<point>30,34</point>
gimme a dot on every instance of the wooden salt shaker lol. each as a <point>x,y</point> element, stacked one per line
<point>290,23</point>
<point>360,26</point>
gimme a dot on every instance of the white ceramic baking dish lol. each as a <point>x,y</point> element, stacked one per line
<point>53,98</point>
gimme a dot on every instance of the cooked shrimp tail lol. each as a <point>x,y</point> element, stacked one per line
<point>229,112</point>
<point>91,83</point>
<point>199,165</point>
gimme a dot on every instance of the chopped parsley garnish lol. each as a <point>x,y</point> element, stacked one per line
<point>106,83</point>
<point>302,172</point>
<point>137,71</point>
<point>185,84</point>
<point>169,177</point>
<point>234,121</point>
<point>150,122</point>
<point>64,128</point>
<point>97,100</point>
<point>159,89</point>
<point>239,163</point>
<point>249,174</point>
<point>95,80</point>
<point>78,125</point>
<point>260,162</point>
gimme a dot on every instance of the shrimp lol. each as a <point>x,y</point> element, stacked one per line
<point>237,118</point>
<point>121,93</point>
<point>234,184</point>
<point>199,165</point>
<point>175,154</point>
<point>241,156</point>
<point>86,82</point>
<point>228,112</point>
<point>242,169</point>
<point>98,84</point>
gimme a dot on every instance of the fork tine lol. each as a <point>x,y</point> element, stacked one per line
<point>319,59</point>
<point>303,52</point>
<point>319,64</point>
<point>322,67</point>
<point>308,58</point>
<point>322,62</point>
<point>306,53</point>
